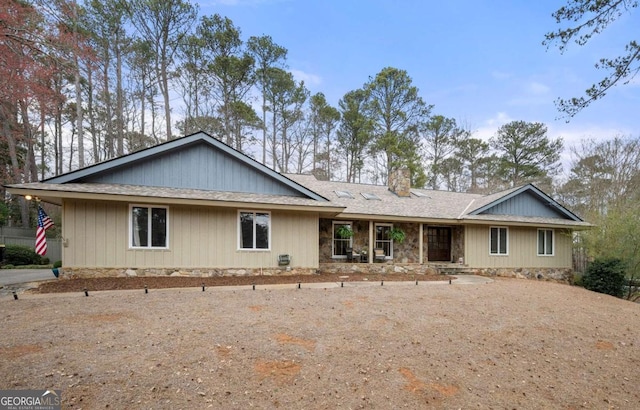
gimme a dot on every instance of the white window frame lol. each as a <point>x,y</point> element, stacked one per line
<point>253,249</point>
<point>390,241</point>
<point>544,245</point>
<point>334,239</point>
<point>149,226</point>
<point>506,228</point>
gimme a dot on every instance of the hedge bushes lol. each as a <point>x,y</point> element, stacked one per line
<point>605,275</point>
<point>18,255</point>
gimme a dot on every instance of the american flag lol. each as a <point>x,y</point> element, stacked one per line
<point>44,223</point>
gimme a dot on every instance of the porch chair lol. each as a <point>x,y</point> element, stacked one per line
<point>352,256</point>
<point>378,255</point>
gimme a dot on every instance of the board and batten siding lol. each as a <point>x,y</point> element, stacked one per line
<point>199,166</point>
<point>522,249</point>
<point>97,235</point>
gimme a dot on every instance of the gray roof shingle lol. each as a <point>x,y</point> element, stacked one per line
<point>427,205</point>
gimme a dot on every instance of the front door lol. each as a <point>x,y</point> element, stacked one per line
<point>438,244</point>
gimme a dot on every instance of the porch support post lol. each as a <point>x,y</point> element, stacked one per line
<point>421,242</point>
<point>371,236</point>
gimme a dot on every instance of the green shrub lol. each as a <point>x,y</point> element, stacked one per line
<point>57,264</point>
<point>577,279</point>
<point>8,267</point>
<point>605,275</point>
<point>18,255</point>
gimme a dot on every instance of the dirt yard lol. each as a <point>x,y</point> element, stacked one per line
<point>507,344</point>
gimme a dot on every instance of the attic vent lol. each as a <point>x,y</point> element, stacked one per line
<point>420,194</point>
<point>344,194</point>
<point>370,197</point>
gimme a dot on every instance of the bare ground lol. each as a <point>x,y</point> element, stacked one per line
<point>508,344</point>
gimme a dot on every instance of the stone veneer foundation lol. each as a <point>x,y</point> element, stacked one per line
<point>564,275</point>
<point>72,273</point>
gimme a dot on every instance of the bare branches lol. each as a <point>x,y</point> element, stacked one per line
<point>593,16</point>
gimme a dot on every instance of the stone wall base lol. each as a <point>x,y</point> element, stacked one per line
<point>377,268</point>
<point>72,273</point>
<point>564,275</point>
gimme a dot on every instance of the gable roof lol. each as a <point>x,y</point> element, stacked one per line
<point>434,205</point>
<point>199,169</point>
<point>444,206</point>
<point>197,161</point>
<point>505,203</point>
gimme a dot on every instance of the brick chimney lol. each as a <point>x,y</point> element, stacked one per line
<point>400,182</point>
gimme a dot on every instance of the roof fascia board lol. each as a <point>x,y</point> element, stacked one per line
<point>559,225</point>
<point>392,218</point>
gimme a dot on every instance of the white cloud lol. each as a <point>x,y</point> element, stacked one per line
<point>537,88</point>
<point>490,126</point>
<point>532,93</point>
<point>308,78</point>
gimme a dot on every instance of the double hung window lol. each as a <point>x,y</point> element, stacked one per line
<point>149,227</point>
<point>383,239</point>
<point>339,244</point>
<point>545,242</point>
<point>498,240</point>
<point>254,230</point>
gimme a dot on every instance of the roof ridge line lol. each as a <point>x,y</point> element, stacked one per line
<point>465,209</point>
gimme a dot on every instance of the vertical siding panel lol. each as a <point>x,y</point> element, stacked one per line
<point>522,249</point>
<point>117,236</point>
<point>199,237</point>
<point>69,224</point>
<point>81,234</point>
<point>97,216</point>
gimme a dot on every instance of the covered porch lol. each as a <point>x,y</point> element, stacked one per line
<point>426,244</point>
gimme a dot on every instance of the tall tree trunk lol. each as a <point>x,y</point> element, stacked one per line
<point>264,129</point>
<point>78,89</point>
<point>6,118</point>
<point>274,151</point>
<point>108,138</point>
<point>42,141</point>
<point>164,88</point>
<point>119,98</point>
<point>30,169</point>
<point>79,113</point>
<point>92,115</point>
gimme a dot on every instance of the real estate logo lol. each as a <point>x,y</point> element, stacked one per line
<point>30,400</point>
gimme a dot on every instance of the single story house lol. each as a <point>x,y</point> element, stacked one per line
<point>195,206</point>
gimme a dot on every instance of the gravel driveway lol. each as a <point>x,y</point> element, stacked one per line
<point>506,344</point>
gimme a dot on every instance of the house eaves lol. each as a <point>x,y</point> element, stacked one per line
<point>57,193</point>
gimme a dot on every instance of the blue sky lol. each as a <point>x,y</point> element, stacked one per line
<point>481,62</point>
